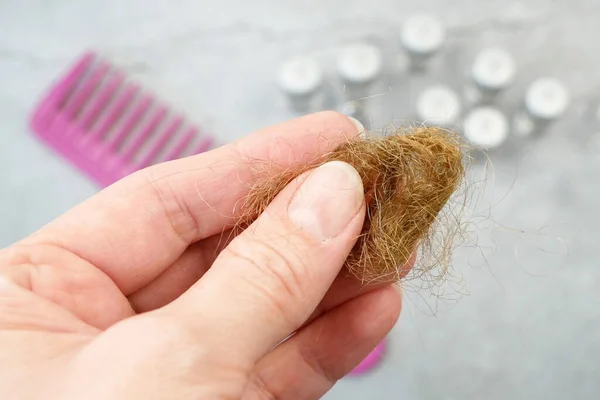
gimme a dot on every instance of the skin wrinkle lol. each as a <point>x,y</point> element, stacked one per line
<point>292,288</point>
<point>187,232</point>
<point>259,387</point>
<point>315,363</point>
<point>38,272</point>
<point>44,315</point>
<point>51,242</point>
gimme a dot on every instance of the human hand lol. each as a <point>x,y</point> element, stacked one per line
<point>137,293</point>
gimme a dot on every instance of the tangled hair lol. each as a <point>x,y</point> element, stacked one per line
<point>408,178</point>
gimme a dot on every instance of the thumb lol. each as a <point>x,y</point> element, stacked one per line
<point>271,277</point>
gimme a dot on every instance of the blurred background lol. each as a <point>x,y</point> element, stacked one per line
<point>517,77</point>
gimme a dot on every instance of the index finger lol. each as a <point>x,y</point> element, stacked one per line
<point>136,228</point>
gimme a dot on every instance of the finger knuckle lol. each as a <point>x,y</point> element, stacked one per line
<point>283,273</point>
<point>184,223</point>
<point>260,389</point>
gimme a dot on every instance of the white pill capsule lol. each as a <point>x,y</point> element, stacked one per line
<point>438,105</point>
<point>493,71</point>
<point>422,36</point>
<point>546,100</point>
<point>300,78</point>
<point>359,66</point>
<point>486,127</point>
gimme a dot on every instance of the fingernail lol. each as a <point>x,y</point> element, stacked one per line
<point>359,127</point>
<point>327,200</point>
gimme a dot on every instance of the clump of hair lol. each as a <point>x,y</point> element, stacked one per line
<point>408,177</point>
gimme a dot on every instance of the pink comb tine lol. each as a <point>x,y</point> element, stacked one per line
<point>115,111</point>
<point>160,143</point>
<point>145,133</point>
<point>83,94</point>
<point>179,148</point>
<point>56,97</point>
<point>90,115</point>
<point>202,146</point>
<point>130,122</point>
<point>86,121</point>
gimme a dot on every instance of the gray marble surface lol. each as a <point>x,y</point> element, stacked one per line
<point>529,327</point>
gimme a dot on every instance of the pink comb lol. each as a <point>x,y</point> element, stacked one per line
<point>109,128</point>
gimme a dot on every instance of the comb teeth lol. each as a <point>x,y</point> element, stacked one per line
<point>78,99</point>
<point>45,112</point>
<point>141,137</point>
<point>178,149</point>
<point>90,115</point>
<point>109,127</point>
<point>130,120</point>
<point>113,112</point>
<point>161,142</point>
